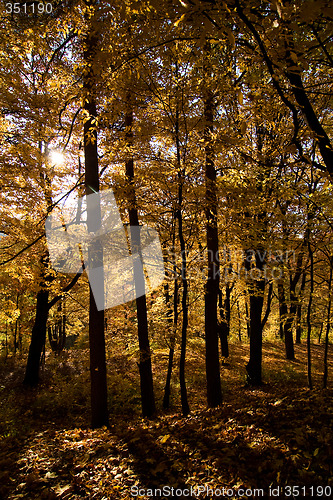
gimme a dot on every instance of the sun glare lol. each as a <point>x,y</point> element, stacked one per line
<point>56,157</point>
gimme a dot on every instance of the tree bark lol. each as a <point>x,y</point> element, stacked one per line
<point>98,376</point>
<point>38,335</point>
<point>299,311</point>
<point>172,324</point>
<point>183,390</point>
<point>328,324</point>
<point>308,316</point>
<point>224,324</point>
<point>145,368</point>
<point>288,333</point>
<point>239,323</point>
<point>268,305</point>
<point>214,393</point>
<point>256,290</point>
<point>283,309</point>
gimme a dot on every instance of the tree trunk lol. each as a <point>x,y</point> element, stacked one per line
<point>308,316</point>
<point>38,338</point>
<point>223,326</point>
<point>283,309</point>
<point>298,323</point>
<point>173,325</point>
<point>299,311</point>
<point>239,323</point>
<point>183,391</point>
<point>145,368</point>
<point>16,326</point>
<point>98,377</point>
<point>256,292</point>
<point>167,389</point>
<point>179,215</point>
<point>328,324</point>
<point>268,305</point>
<point>320,331</point>
<point>214,393</point>
<point>288,333</point>
<point>247,318</point>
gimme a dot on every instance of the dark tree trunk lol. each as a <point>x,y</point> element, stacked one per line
<point>288,333</point>
<point>283,309</point>
<point>99,407</point>
<point>167,389</point>
<point>16,343</point>
<point>172,324</point>
<point>183,390</point>
<point>247,318</point>
<point>145,368</point>
<point>223,326</point>
<point>256,290</point>
<point>223,333</point>
<point>268,305</point>
<point>320,331</point>
<point>38,338</point>
<point>328,324</point>
<point>310,214</point>
<point>298,323</point>
<point>239,323</point>
<point>308,317</point>
<point>214,393</point>
<point>253,367</point>
<point>179,215</point>
<point>299,311</point>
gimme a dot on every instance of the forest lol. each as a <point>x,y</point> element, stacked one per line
<point>166,249</point>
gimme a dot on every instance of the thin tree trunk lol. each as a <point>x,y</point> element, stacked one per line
<point>256,292</point>
<point>145,368</point>
<point>167,388</point>
<point>239,323</point>
<point>38,335</point>
<point>328,324</point>
<point>173,325</point>
<point>224,324</point>
<point>320,331</point>
<point>183,390</point>
<point>16,326</point>
<point>299,311</point>
<point>308,316</point>
<point>98,376</point>
<point>268,305</point>
<point>298,323</point>
<point>288,333</point>
<point>283,310</point>
<point>214,393</point>
<point>247,318</point>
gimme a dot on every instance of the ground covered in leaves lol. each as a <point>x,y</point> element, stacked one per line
<point>273,441</point>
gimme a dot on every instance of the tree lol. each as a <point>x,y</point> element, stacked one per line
<point>145,369</point>
<point>98,377</point>
<point>214,393</point>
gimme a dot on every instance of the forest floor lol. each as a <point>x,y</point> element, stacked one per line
<point>271,442</point>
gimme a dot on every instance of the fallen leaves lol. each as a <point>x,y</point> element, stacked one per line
<point>275,434</point>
